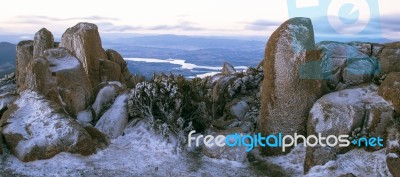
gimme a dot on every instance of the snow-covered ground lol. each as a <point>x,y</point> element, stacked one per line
<point>141,153</point>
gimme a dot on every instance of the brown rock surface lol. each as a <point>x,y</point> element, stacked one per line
<point>73,84</point>
<point>43,40</point>
<point>83,40</point>
<point>24,57</point>
<point>285,98</point>
<point>390,90</point>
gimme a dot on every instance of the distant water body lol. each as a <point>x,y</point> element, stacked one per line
<point>148,66</point>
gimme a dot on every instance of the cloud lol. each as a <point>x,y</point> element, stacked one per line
<point>262,24</point>
<point>110,27</point>
<point>38,19</point>
<point>183,25</point>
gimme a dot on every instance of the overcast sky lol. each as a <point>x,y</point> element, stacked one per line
<point>192,17</point>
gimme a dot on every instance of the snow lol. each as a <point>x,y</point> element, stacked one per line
<point>84,117</point>
<point>140,152</point>
<point>64,63</point>
<point>357,162</point>
<point>37,124</point>
<point>114,121</point>
<point>105,96</point>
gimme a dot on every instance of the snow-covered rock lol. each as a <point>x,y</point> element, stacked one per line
<point>358,162</point>
<point>286,98</point>
<point>230,153</point>
<point>35,128</point>
<point>104,99</point>
<point>344,65</point>
<point>339,113</point>
<point>73,84</point>
<point>84,41</point>
<point>43,40</point>
<point>114,121</point>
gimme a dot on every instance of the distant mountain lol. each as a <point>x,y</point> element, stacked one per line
<point>7,58</point>
<point>191,42</point>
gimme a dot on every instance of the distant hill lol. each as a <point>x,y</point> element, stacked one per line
<point>7,58</point>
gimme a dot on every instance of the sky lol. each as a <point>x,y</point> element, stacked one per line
<point>202,17</point>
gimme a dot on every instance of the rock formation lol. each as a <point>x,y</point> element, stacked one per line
<point>83,40</point>
<point>285,98</point>
<point>55,86</point>
<point>43,40</point>
<point>390,90</point>
<point>24,57</point>
<point>390,58</point>
<point>38,129</point>
<point>344,65</point>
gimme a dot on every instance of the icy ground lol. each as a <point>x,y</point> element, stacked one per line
<point>142,153</point>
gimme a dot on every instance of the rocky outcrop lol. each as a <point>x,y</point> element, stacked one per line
<point>360,110</point>
<point>109,71</point>
<point>115,57</point>
<point>35,128</point>
<point>73,84</point>
<point>43,40</point>
<point>24,57</point>
<point>344,65</point>
<point>228,69</point>
<point>114,121</point>
<point>285,98</point>
<point>390,90</point>
<point>390,58</point>
<point>84,42</point>
<point>39,77</point>
<point>339,113</point>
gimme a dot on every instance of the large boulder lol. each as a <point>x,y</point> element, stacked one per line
<point>24,57</point>
<point>390,90</point>
<point>84,41</point>
<point>390,58</point>
<point>286,98</point>
<point>35,128</point>
<point>339,113</point>
<point>344,65</point>
<point>73,84</point>
<point>115,57</point>
<point>39,77</point>
<point>109,71</point>
<point>114,121</point>
<point>43,40</point>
